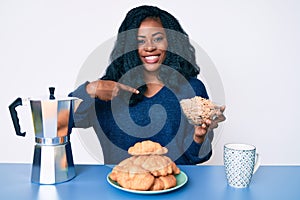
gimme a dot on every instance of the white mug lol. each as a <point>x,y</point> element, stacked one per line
<point>241,161</point>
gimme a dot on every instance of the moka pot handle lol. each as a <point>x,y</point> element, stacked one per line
<point>14,116</point>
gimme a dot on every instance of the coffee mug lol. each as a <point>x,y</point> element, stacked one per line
<point>241,161</point>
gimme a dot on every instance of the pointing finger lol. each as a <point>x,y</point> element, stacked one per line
<point>128,88</point>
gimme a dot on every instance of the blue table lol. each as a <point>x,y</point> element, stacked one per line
<point>205,182</point>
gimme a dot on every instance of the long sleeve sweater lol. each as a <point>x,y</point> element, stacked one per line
<point>158,118</point>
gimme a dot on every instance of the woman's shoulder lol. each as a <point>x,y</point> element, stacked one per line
<point>198,87</point>
<point>195,82</point>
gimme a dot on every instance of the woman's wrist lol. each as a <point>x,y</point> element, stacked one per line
<point>199,139</point>
<point>91,89</point>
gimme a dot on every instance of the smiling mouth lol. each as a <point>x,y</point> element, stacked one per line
<point>151,59</point>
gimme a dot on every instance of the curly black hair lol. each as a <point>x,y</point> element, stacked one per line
<point>124,57</point>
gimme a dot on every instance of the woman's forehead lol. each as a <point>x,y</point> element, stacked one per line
<point>149,26</point>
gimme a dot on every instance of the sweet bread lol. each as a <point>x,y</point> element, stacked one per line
<point>164,182</point>
<point>197,109</point>
<point>146,171</point>
<point>136,181</point>
<point>158,165</point>
<point>146,148</point>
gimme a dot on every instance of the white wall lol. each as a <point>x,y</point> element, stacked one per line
<point>254,46</point>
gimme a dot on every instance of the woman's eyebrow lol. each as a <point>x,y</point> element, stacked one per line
<point>157,33</point>
<point>154,34</point>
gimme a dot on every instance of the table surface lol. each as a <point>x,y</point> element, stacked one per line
<point>204,182</point>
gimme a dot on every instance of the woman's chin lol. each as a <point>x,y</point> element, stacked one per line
<point>151,67</point>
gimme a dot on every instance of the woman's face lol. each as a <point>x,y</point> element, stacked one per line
<point>152,44</point>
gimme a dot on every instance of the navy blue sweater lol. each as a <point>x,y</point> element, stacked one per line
<point>158,118</point>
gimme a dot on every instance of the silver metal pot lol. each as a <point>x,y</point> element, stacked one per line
<point>52,121</point>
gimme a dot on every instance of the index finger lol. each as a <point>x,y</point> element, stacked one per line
<point>128,88</point>
<point>222,108</point>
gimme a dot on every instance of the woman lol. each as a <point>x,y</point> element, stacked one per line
<point>152,68</point>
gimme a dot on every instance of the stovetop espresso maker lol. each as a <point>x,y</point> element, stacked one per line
<point>52,122</point>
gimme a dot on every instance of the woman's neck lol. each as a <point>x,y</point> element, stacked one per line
<point>154,85</point>
<point>153,88</point>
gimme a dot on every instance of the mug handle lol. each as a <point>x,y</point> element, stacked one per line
<point>257,163</point>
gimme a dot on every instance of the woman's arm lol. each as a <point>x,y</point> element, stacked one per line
<point>103,90</point>
<point>198,139</point>
<point>196,153</point>
<point>82,116</point>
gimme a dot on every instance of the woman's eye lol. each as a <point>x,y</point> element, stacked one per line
<point>158,39</point>
<point>140,42</point>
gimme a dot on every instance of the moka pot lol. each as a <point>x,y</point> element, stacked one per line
<point>52,122</point>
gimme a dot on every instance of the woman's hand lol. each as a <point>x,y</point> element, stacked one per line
<point>208,125</point>
<point>63,122</point>
<point>107,90</point>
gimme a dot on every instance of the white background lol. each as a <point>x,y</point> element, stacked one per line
<point>254,46</point>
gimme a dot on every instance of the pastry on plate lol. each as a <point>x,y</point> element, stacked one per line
<point>146,169</point>
<point>146,148</point>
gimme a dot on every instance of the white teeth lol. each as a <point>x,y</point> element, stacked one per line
<point>151,57</point>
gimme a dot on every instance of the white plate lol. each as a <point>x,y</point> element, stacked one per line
<point>180,178</point>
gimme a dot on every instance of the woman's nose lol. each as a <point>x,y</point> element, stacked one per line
<point>149,46</point>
